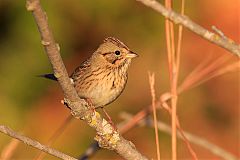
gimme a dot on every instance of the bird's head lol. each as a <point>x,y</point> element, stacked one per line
<point>114,53</point>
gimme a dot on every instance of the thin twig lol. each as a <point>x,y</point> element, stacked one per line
<point>137,118</point>
<point>188,81</point>
<point>134,120</point>
<point>106,135</point>
<point>185,139</point>
<point>191,137</point>
<point>190,148</point>
<point>152,84</point>
<point>202,72</point>
<point>228,44</point>
<point>35,144</point>
<point>220,71</point>
<point>9,149</point>
<point>54,137</point>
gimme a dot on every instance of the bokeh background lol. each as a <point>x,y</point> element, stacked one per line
<point>31,105</point>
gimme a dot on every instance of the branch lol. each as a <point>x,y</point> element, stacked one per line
<point>141,115</point>
<point>192,138</point>
<point>34,143</point>
<point>143,120</point>
<point>106,135</point>
<point>219,40</point>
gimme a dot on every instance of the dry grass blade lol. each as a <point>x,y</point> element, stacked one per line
<point>190,149</point>
<point>9,149</point>
<point>220,71</point>
<point>185,139</point>
<point>172,70</point>
<point>55,136</point>
<point>204,72</point>
<point>173,76</point>
<point>191,137</point>
<point>137,117</point>
<point>179,44</point>
<point>152,84</point>
<point>189,81</point>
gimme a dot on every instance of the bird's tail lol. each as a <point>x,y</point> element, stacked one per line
<point>48,76</point>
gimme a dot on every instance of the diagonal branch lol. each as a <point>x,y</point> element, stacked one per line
<point>219,40</point>
<point>141,115</point>
<point>106,135</point>
<point>194,139</point>
<point>34,143</point>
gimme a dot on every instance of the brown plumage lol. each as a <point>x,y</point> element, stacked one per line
<point>103,76</point>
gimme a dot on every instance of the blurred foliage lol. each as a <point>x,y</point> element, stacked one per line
<point>28,103</point>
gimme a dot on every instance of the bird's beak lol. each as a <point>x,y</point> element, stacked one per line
<point>131,54</point>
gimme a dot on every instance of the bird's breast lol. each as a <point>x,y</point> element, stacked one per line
<point>102,88</point>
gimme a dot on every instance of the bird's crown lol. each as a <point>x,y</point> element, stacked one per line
<point>116,41</point>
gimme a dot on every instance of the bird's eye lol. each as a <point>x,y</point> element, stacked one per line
<point>117,52</point>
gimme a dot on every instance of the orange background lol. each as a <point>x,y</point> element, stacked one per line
<point>32,105</point>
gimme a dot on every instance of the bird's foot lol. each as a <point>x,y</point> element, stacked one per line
<point>109,119</point>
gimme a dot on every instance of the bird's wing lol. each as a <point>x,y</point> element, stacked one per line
<point>81,69</point>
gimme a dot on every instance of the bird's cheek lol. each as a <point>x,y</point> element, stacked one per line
<point>118,61</point>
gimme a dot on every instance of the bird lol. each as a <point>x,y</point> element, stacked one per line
<point>102,77</point>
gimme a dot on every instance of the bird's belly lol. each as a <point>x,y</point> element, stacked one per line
<point>102,93</point>
<point>103,96</point>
